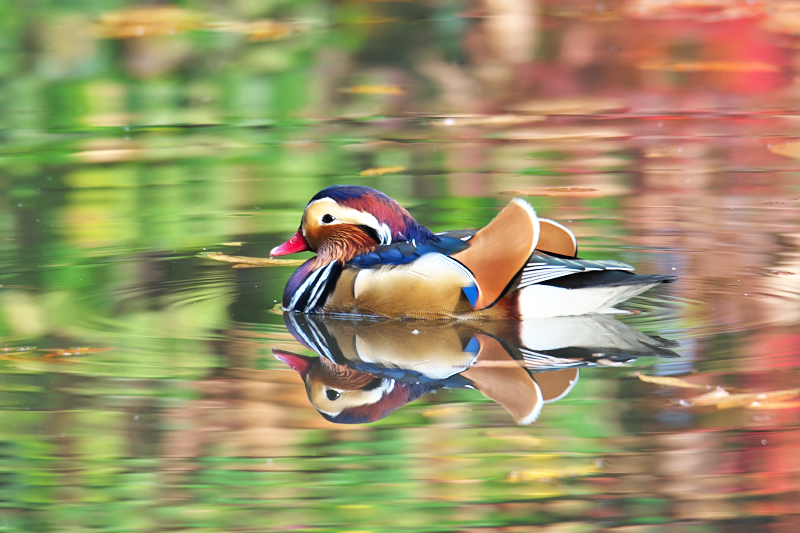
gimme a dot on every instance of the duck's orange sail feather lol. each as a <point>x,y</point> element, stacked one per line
<point>498,251</point>
<point>556,239</point>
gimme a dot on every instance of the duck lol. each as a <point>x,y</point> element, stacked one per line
<point>367,368</point>
<point>374,259</point>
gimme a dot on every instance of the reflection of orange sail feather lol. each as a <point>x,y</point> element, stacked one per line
<point>494,259</point>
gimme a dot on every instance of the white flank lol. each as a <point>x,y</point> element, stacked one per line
<point>543,301</point>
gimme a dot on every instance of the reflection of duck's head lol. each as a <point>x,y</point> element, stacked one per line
<point>347,396</point>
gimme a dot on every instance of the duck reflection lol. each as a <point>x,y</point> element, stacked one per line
<point>369,368</point>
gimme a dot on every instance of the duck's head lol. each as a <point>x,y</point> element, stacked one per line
<point>343,221</point>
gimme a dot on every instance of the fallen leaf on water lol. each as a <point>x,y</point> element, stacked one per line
<point>584,192</point>
<point>722,398</point>
<point>109,156</point>
<point>773,405</point>
<point>552,474</point>
<point>52,356</point>
<point>711,398</point>
<point>75,351</point>
<point>571,106</point>
<point>108,151</point>
<point>380,171</point>
<point>143,21</point>
<point>374,89</point>
<point>252,261</point>
<point>525,440</point>
<point>709,66</point>
<point>748,398</point>
<point>791,149</point>
<point>257,30</point>
<point>697,10</point>
<point>443,411</point>
<point>783,18</point>
<point>670,381</point>
<point>485,120</point>
<point>17,349</point>
<point>566,133</point>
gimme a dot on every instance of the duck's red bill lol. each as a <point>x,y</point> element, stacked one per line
<point>296,244</point>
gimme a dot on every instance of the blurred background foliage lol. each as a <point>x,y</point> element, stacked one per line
<point>137,387</point>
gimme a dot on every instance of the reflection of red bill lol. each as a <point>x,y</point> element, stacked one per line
<point>299,363</point>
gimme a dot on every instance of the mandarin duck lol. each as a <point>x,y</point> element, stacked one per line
<point>368,368</point>
<point>373,258</point>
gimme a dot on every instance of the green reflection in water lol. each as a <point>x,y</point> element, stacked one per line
<point>122,159</point>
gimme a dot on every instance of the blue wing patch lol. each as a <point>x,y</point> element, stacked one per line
<point>471,293</point>
<point>404,252</point>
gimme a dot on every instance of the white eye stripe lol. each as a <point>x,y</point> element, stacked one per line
<point>317,210</point>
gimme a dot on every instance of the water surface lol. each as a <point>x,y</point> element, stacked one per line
<point>139,390</point>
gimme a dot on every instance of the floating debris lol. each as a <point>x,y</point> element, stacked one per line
<point>258,30</point>
<point>723,398</point>
<point>145,21</point>
<point>249,262</point>
<point>584,192</point>
<point>389,90</point>
<point>380,171</point>
<point>709,66</point>
<point>505,119</point>
<point>571,106</point>
<point>791,149</point>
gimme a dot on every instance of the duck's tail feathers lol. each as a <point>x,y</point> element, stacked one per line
<point>542,301</point>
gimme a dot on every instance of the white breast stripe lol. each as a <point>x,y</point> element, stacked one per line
<point>314,285</point>
<point>319,287</point>
<point>302,289</point>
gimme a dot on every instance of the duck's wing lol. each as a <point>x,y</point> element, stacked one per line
<point>405,252</point>
<point>498,252</point>
<point>542,267</point>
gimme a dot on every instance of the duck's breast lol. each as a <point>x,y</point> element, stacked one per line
<point>430,286</point>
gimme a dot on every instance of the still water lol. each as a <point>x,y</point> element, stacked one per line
<point>139,384</point>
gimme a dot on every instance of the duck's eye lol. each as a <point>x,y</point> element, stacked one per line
<point>327,219</point>
<point>332,394</point>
